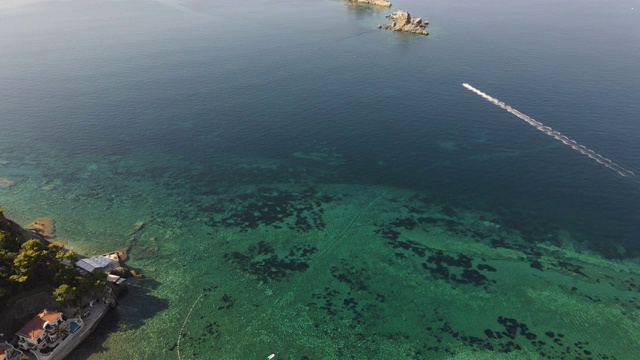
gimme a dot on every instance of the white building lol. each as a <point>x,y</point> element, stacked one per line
<point>40,331</point>
<point>99,262</point>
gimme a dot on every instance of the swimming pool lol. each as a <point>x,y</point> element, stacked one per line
<point>73,326</point>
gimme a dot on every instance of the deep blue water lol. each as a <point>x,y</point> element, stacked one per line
<point>201,81</point>
<point>318,72</point>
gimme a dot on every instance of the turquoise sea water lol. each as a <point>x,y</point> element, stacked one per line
<point>316,188</point>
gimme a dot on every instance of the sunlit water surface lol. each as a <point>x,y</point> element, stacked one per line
<point>315,188</point>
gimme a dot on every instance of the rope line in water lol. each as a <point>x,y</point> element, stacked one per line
<point>184,324</point>
<point>357,216</point>
<point>555,134</point>
<point>333,243</point>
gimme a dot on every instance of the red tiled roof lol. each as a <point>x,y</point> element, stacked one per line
<point>34,326</point>
<point>3,351</point>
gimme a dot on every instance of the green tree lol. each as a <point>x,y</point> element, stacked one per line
<point>6,263</point>
<point>11,235</point>
<point>32,257</point>
<point>57,252</point>
<point>65,293</point>
<point>9,242</point>
<point>7,286</point>
<point>5,291</point>
<point>66,275</point>
<point>61,330</point>
<point>92,285</point>
<point>71,255</point>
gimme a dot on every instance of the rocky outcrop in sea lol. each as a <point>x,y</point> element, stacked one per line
<point>384,3</point>
<point>402,21</point>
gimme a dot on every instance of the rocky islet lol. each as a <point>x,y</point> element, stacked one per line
<point>373,2</point>
<point>403,21</point>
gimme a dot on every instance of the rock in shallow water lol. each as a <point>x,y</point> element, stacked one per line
<point>402,21</point>
<point>6,183</point>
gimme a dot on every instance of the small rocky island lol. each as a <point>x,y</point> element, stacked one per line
<point>402,21</point>
<point>384,3</point>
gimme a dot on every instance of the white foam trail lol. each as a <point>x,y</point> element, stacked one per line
<point>555,134</point>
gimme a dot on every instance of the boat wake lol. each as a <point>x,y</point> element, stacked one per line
<point>555,134</point>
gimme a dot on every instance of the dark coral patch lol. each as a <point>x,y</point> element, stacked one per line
<point>299,211</point>
<point>486,267</point>
<point>536,265</point>
<point>262,261</point>
<point>576,269</point>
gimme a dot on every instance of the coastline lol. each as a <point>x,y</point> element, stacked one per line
<point>79,322</point>
<point>75,340</point>
<point>192,125</point>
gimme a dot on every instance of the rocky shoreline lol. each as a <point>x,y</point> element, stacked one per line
<point>384,3</point>
<point>403,21</point>
<point>86,309</point>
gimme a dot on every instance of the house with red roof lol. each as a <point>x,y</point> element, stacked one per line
<point>8,352</point>
<point>40,331</point>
